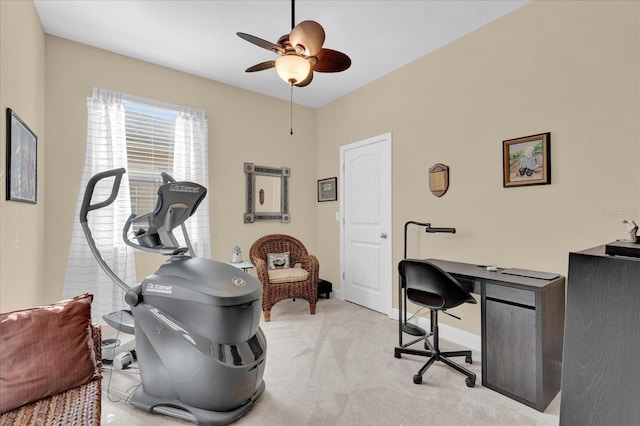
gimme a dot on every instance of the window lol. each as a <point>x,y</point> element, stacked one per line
<point>147,137</point>
<point>150,133</point>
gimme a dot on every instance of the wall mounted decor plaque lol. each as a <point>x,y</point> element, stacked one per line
<point>439,179</point>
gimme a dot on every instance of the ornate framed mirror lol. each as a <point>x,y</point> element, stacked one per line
<point>267,193</point>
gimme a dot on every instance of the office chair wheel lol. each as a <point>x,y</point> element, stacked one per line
<point>396,353</point>
<point>470,382</point>
<point>468,359</point>
<point>417,379</point>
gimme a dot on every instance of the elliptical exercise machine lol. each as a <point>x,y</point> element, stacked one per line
<point>200,350</point>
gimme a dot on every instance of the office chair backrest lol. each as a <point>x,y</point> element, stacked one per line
<point>429,285</point>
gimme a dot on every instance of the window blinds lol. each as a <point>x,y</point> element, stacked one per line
<point>150,133</point>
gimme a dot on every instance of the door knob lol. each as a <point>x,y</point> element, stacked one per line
<point>383,236</point>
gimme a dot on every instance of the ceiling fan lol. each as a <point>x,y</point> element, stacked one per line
<point>301,53</point>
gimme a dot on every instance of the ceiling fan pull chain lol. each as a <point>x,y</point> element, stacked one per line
<point>291,106</point>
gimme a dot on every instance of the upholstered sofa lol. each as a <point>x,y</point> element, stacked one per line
<point>50,365</point>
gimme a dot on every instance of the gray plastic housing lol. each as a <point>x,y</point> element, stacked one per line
<point>198,336</point>
<point>212,299</point>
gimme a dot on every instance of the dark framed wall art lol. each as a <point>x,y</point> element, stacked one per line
<point>328,189</point>
<point>527,160</point>
<point>22,160</point>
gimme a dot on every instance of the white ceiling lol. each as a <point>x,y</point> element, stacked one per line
<point>199,37</point>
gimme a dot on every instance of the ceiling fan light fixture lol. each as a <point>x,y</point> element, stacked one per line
<point>293,68</point>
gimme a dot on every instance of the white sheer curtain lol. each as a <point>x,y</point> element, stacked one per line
<point>106,150</point>
<point>190,163</point>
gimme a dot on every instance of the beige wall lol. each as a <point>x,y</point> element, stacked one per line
<point>570,68</point>
<point>22,80</point>
<point>243,126</point>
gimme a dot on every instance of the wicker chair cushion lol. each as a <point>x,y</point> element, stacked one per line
<point>45,350</point>
<point>278,260</point>
<point>288,275</point>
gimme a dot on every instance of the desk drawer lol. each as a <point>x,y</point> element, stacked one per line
<point>471,285</point>
<point>510,294</point>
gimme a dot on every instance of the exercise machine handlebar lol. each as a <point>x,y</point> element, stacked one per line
<point>87,207</point>
<point>165,251</point>
<point>91,185</point>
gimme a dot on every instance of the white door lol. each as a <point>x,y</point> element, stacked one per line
<point>365,204</point>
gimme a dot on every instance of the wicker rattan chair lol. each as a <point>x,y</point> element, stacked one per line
<point>273,293</point>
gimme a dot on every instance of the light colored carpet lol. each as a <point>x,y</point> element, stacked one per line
<point>337,368</point>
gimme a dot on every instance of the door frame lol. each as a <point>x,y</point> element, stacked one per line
<point>384,138</point>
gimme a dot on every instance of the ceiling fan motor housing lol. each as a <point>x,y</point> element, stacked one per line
<point>307,38</point>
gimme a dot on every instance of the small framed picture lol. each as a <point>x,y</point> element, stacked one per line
<point>328,189</point>
<point>22,157</point>
<point>527,161</point>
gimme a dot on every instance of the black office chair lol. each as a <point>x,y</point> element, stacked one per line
<point>428,285</point>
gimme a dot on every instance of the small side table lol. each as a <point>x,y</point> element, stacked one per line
<point>245,266</point>
<point>325,287</point>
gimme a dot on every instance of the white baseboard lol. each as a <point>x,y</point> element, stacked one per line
<point>335,292</point>
<point>447,332</point>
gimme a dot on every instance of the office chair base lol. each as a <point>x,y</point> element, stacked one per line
<point>417,379</point>
<point>470,381</point>
<point>471,377</point>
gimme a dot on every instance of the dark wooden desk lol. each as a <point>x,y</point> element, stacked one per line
<point>522,331</point>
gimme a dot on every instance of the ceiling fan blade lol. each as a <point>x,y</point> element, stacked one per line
<point>331,61</point>
<point>307,38</point>
<point>261,43</point>
<point>261,66</point>
<point>306,81</point>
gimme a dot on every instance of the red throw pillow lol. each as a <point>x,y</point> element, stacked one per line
<point>45,350</point>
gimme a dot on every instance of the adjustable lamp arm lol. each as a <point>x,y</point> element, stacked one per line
<point>429,229</point>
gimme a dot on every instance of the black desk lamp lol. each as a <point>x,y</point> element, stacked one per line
<point>409,328</point>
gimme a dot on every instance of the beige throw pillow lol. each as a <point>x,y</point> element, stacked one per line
<point>278,260</point>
